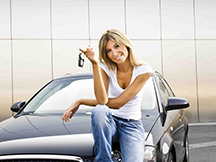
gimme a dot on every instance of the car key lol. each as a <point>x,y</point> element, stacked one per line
<point>81,60</point>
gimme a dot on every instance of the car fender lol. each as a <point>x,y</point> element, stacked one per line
<point>186,126</point>
<point>166,146</point>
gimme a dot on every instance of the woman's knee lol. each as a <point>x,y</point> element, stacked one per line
<point>100,110</point>
<point>101,113</point>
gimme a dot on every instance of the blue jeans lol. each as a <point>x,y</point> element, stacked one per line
<point>107,129</point>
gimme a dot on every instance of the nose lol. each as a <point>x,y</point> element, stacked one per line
<point>115,52</point>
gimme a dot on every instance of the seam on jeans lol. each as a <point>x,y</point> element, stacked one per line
<point>134,125</point>
<point>139,127</point>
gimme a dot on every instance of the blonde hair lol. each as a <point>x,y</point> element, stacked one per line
<point>121,39</point>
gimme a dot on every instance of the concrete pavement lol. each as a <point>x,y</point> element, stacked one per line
<point>202,142</point>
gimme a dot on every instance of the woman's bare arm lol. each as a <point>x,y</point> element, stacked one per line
<point>88,102</point>
<point>129,93</point>
<point>99,87</point>
<point>114,103</point>
<point>72,109</point>
<point>125,97</point>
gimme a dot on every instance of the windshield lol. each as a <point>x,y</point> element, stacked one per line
<point>57,96</point>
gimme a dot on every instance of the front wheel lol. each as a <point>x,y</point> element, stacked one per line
<point>186,146</point>
<point>170,158</point>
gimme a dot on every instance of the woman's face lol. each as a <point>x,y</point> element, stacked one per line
<point>116,52</point>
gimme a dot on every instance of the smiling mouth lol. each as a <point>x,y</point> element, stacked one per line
<point>117,58</point>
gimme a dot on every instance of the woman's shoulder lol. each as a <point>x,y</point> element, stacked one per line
<point>141,69</point>
<point>106,69</point>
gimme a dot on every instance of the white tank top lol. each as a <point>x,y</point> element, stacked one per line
<point>132,109</point>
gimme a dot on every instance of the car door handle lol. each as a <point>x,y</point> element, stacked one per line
<point>180,118</point>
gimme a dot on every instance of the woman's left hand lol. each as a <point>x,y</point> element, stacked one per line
<point>90,54</point>
<point>71,110</point>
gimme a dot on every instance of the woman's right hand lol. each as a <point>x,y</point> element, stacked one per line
<point>90,54</point>
<point>71,110</point>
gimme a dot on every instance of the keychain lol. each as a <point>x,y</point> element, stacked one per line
<point>81,60</point>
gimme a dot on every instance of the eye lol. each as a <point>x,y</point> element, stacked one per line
<point>117,45</point>
<point>107,51</point>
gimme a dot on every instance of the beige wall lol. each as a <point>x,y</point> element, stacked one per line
<point>39,40</point>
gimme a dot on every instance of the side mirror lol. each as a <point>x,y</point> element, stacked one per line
<point>17,106</point>
<point>175,103</point>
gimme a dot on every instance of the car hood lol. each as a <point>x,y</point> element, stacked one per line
<point>49,134</point>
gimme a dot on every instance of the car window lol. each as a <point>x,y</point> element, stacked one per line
<point>61,100</point>
<point>171,94</point>
<point>45,94</point>
<point>163,92</point>
<point>59,94</point>
<point>149,100</point>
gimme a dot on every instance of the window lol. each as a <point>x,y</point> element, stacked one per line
<point>171,94</point>
<point>58,95</point>
<point>149,100</point>
<point>163,92</point>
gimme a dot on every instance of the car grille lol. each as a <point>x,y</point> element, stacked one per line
<point>39,158</point>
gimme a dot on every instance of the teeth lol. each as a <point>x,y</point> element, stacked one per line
<point>118,57</point>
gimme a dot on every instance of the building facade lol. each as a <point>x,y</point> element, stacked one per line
<point>40,40</point>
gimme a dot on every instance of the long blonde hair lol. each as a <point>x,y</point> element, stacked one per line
<point>121,39</point>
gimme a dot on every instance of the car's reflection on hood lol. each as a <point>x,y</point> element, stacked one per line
<point>41,133</point>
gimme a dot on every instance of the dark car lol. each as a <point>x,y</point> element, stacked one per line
<point>37,132</point>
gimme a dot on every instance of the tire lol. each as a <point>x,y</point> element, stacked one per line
<point>170,158</point>
<point>186,146</point>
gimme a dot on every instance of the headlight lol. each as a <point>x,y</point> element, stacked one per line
<point>150,154</point>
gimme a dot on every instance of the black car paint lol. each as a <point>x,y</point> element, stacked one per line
<point>172,128</point>
<point>32,133</point>
<point>39,128</point>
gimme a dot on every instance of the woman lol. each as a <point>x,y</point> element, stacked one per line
<point>118,81</point>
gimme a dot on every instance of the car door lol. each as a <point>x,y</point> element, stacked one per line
<point>177,125</point>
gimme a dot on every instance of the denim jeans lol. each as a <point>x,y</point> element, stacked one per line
<point>107,129</point>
